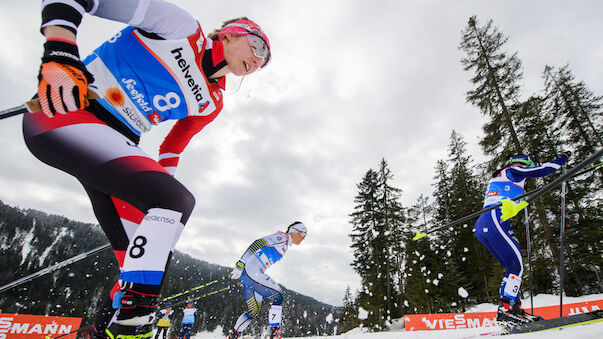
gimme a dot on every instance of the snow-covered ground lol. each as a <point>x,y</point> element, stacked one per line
<point>591,331</point>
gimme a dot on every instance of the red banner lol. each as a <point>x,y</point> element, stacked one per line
<point>26,326</point>
<point>450,321</point>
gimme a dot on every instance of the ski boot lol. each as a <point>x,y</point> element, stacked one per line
<point>135,316</point>
<point>517,309</point>
<point>509,315</point>
<point>275,333</point>
<point>116,330</point>
<point>232,334</point>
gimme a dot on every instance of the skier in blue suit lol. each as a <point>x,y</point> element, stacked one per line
<point>498,236</point>
<point>250,269</point>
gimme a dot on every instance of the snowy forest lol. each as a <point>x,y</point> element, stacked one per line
<point>450,269</point>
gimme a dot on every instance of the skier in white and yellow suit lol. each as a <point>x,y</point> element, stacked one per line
<point>250,269</point>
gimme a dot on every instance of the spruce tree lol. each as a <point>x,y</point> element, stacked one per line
<point>348,318</point>
<point>496,80</point>
<point>377,223</point>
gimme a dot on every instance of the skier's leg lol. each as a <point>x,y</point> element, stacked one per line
<point>253,301</point>
<point>105,160</point>
<point>500,240</point>
<point>508,249</point>
<point>118,220</point>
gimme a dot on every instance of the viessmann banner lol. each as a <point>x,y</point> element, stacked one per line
<point>26,326</point>
<point>450,321</point>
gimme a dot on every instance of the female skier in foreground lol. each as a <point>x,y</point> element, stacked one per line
<point>161,67</point>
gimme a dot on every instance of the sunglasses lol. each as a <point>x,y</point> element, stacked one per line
<point>257,40</point>
<point>259,47</point>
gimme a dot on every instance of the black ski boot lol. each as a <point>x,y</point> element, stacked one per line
<point>135,316</point>
<point>517,309</point>
<point>275,333</point>
<point>512,315</point>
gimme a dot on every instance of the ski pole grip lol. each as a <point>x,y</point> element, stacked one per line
<point>33,105</point>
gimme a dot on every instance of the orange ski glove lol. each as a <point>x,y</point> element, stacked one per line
<point>63,78</point>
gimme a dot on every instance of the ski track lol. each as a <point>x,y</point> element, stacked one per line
<point>590,331</point>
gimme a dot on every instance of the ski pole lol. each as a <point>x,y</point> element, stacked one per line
<point>564,177</point>
<point>205,295</point>
<point>52,268</point>
<point>529,250</point>
<point>561,248</point>
<point>511,209</point>
<point>33,105</point>
<point>191,290</point>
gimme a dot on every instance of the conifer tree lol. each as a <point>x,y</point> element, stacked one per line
<point>348,318</point>
<point>496,79</point>
<point>579,119</point>
<point>578,109</point>
<point>377,223</point>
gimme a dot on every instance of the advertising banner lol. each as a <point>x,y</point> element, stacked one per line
<point>26,326</point>
<point>449,321</point>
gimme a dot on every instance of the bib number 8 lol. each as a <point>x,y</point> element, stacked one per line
<point>137,250</point>
<point>169,101</point>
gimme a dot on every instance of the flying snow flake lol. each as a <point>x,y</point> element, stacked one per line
<point>463,293</point>
<point>406,303</point>
<point>428,281</point>
<point>440,276</point>
<point>329,318</point>
<point>422,257</point>
<point>414,261</point>
<point>465,250</point>
<point>423,269</point>
<point>453,304</point>
<point>305,314</point>
<point>362,313</point>
<point>426,291</point>
<point>436,282</point>
<point>448,253</point>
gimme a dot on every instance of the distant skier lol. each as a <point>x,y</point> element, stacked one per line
<point>188,320</point>
<point>250,269</point>
<point>499,238</point>
<point>162,66</point>
<point>163,325</point>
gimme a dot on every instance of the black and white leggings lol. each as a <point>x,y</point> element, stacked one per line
<point>141,208</point>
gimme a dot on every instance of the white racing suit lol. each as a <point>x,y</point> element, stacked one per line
<point>257,285</point>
